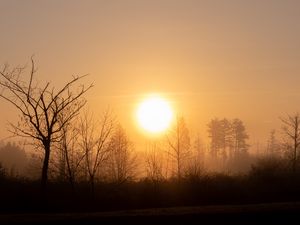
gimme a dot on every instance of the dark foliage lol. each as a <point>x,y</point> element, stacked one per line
<point>262,184</point>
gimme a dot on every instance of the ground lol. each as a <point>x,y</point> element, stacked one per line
<point>275,213</point>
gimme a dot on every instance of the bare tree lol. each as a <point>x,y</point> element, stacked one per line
<point>273,146</point>
<point>196,161</point>
<point>291,129</point>
<point>179,143</point>
<point>41,107</point>
<point>71,155</point>
<point>154,163</point>
<point>94,140</point>
<point>122,159</point>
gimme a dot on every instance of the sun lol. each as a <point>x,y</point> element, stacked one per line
<point>154,114</point>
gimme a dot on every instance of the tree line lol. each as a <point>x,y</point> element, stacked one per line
<point>75,146</point>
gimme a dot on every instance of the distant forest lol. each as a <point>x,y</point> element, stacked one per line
<point>100,151</point>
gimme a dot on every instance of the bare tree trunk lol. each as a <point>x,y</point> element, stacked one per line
<point>178,168</point>
<point>44,178</point>
<point>179,144</point>
<point>71,174</point>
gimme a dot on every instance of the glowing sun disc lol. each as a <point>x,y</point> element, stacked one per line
<point>154,114</point>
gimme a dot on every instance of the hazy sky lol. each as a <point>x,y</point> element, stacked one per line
<point>210,58</point>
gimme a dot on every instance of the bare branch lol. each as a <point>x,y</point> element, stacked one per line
<point>41,108</point>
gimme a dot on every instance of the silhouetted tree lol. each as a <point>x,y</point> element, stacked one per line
<point>291,130</point>
<point>240,136</point>
<point>273,146</point>
<point>71,155</point>
<point>121,159</point>
<point>154,163</point>
<point>94,140</point>
<point>41,108</point>
<point>228,140</point>
<point>216,135</point>
<point>196,160</point>
<point>179,143</point>
<point>220,133</point>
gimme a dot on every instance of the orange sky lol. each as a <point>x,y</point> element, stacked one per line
<point>210,58</point>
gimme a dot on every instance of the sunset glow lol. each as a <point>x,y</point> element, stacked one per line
<point>150,111</point>
<point>154,114</point>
